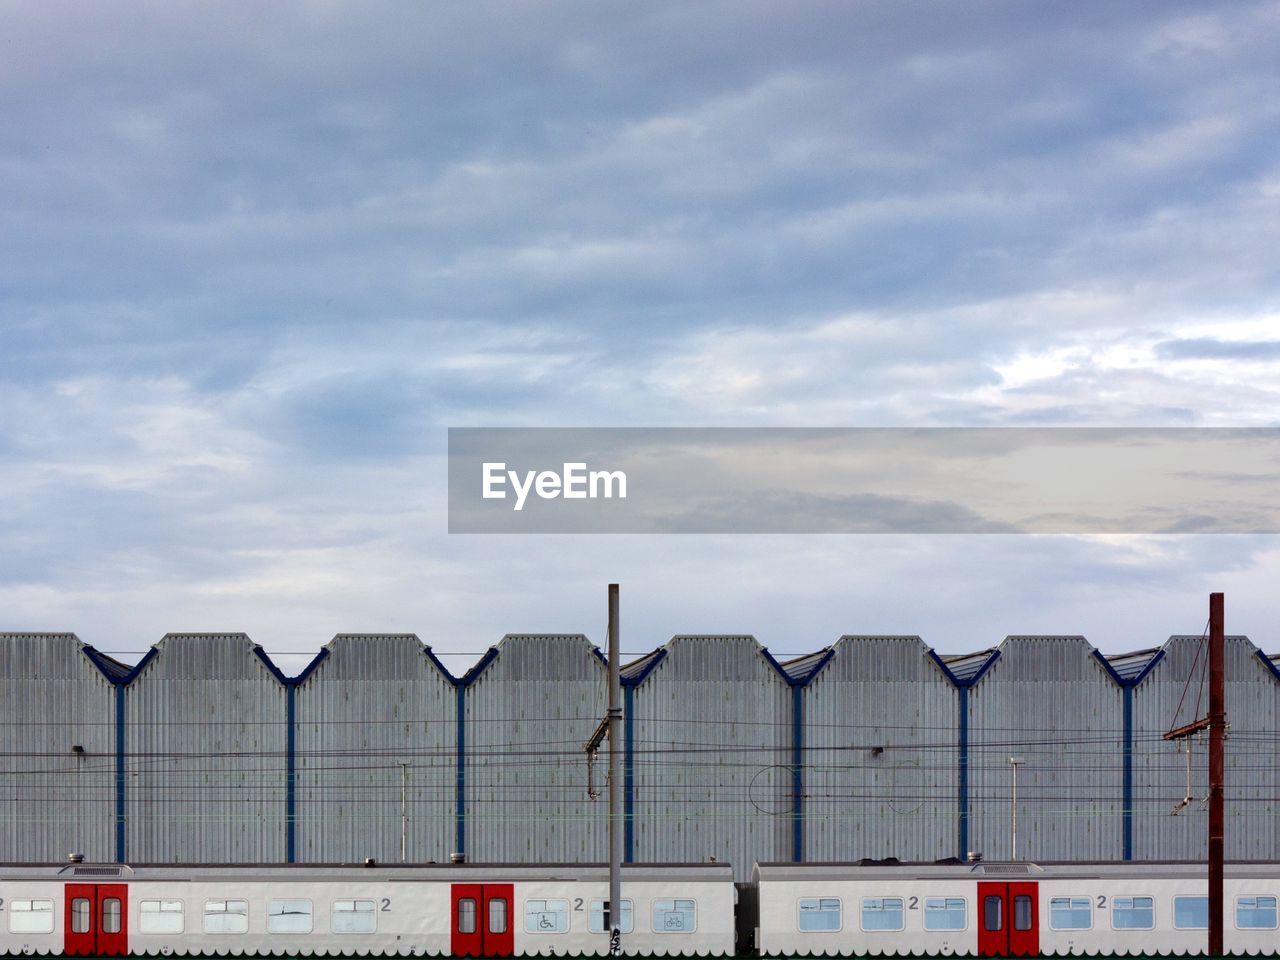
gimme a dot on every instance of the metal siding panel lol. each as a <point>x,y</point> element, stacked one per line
<point>1049,701</point>
<point>882,692</point>
<point>1160,770</point>
<point>528,714</point>
<point>207,740</point>
<point>206,764</point>
<point>712,756</point>
<point>373,703</point>
<point>55,802</point>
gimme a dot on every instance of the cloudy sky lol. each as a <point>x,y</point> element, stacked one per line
<point>255,259</point>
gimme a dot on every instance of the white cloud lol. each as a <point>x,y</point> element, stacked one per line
<point>135,433</point>
<point>256,264</point>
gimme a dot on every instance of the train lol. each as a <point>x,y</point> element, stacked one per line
<point>985,909</point>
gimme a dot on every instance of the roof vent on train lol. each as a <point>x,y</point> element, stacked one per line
<point>1007,869</point>
<point>457,858</point>
<point>78,868</point>
<point>75,858</point>
<point>975,856</point>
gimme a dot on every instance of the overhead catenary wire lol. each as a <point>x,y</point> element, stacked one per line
<point>678,756</point>
<point>1201,651</point>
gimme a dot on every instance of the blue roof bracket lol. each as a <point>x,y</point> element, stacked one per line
<point>633,675</point>
<point>461,684</point>
<point>291,685</point>
<point>797,681</point>
<point>120,675</point>
<point>1127,684</point>
<point>1272,667</point>
<point>645,666</point>
<point>963,685</point>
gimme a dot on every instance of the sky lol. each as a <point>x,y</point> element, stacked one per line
<point>255,259</point>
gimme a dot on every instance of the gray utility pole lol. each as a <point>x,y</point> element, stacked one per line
<point>613,915</point>
<point>1217,767</point>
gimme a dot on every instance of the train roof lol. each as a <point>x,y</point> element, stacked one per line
<point>466,872</point>
<point>774,872</point>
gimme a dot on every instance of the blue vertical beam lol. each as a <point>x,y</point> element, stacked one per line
<point>963,693</point>
<point>629,775</point>
<point>1127,685</point>
<point>291,775</point>
<point>629,685</point>
<point>797,773</point>
<point>1128,771</point>
<point>460,798</point>
<point>120,776</point>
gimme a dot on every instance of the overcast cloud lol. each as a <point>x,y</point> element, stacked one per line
<point>254,259</point>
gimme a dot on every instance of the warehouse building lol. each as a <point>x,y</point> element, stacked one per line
<point>374,721</point>
<point>872,747</point>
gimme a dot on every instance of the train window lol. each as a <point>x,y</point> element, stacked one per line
<point>289,916</point>
<point>80,915</point>
<point>466,915</point>
<point>546,916</point>
<point>1256,913</point>
<point>945,913</point>
<point>881,913</point>
<point>819,913</point>
<point>226,916</point>
<point>353,916</point>
<point>1070,913</point>
<point>1191,913</point>
<point>31,916</point>
<point>1022,912</point>
<point>111,915</point>
<point>992,913</point>
<point>1133,913</point>
<point>498,915</point>
<point>675,916</point>
<point>160,916</point>
<point>595,919</point>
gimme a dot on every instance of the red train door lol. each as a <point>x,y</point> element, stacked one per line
<point>481,920</point>
<point>1008,920</point>
<point>97,919</point>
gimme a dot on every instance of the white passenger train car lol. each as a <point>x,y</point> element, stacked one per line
<point>488,910</point>
<point>472,910</point>
<point>1010,909</point>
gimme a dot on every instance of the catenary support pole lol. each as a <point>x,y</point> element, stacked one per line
<point>1013,809</point>
<point>614,913</point>
<point>1217,729</point>
<point>404,810</point>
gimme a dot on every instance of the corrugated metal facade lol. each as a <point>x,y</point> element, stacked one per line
<point>1160,767</point>
<point>55,801</point>
<point>370,705</point>
<point>529,710</point>
<point>897,745</point>
<point>207,739</point>
<point>711,742</point>
<point>1050,703</point>
<point>880,759</point>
